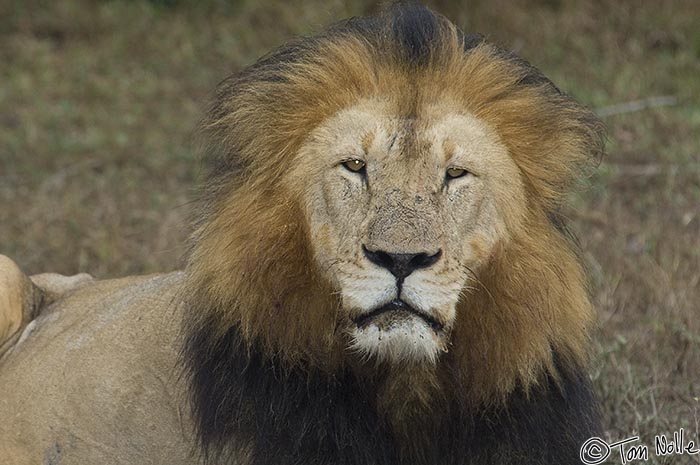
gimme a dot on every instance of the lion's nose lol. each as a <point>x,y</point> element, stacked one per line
<point>401,264</point>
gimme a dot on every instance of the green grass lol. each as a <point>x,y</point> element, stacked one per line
<point>97,163</point>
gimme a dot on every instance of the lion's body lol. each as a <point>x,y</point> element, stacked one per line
<point>378,275</point>
<point>92,380</point>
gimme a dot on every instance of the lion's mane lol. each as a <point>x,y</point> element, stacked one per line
<point>268,378</point>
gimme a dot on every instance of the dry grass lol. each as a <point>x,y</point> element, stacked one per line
<point>99,99</point>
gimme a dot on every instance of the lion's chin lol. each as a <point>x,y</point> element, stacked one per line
<point>397,337</point>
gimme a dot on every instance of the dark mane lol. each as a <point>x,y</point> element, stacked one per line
<point>248,405</point>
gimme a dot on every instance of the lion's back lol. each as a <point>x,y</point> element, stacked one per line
<point>93,378</point>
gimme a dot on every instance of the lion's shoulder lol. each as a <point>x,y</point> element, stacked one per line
<point>99,346</point>
<point>53,286</point>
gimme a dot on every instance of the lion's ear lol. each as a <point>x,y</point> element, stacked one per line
<point>22,298</point>
<point>18,302</point>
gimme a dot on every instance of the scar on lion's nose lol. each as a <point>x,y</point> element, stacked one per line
<point>401,264</point>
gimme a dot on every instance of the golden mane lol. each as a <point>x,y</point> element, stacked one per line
<point>250,266</point>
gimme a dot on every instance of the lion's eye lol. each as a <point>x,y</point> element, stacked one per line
<point>453,172</point>
<point>356,166</point>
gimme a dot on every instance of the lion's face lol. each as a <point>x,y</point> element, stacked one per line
<point>402,212</point>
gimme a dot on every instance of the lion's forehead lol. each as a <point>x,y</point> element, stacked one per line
<point>431,137</point>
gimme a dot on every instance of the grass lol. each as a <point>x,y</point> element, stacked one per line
<point>99,99</point>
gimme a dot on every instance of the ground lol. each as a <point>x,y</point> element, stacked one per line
<point>98,156</point>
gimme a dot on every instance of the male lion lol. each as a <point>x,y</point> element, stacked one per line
<point>377,276</point>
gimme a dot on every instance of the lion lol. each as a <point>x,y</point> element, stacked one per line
<point>378,274</point>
